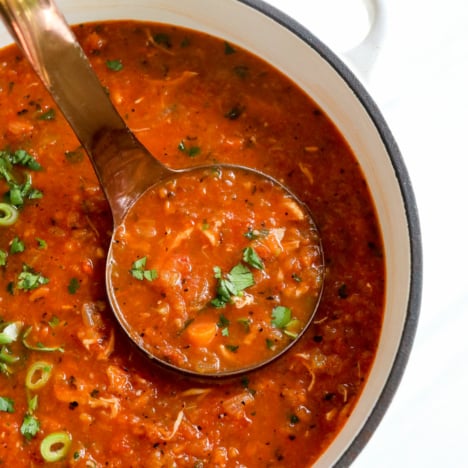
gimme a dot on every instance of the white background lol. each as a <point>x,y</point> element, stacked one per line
<point>420,82</point>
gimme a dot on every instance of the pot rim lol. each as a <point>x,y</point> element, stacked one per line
<point>415,242</point>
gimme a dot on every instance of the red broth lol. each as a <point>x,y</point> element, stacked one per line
<point>217,270</point>
<point>71,386</point>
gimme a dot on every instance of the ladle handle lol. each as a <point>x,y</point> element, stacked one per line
<point>124,167</point>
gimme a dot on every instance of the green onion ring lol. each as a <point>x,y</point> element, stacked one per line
<point>55,446</point>
<point>8,214</point>
<point>38,375</point>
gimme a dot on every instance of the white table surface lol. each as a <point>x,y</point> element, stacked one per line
<point>420,82</point>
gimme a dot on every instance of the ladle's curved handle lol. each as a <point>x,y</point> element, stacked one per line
<point>123,166</point>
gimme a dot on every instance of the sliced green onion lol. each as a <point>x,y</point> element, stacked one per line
<point>55,446</point>
<point>6,356</point>
<point>39,346</point>
<point>10,332</point>
<point>38,375</point>
<point>8,214</point>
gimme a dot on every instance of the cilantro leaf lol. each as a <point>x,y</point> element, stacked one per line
<point>251,257</point>
<point>41,243</point>
<point>241,277</point>
<point>28,279</point>
<point>23,158</point>
<point>281,316</point>
<point>47,115</point>
<point>139,272</point>
<point>238,279</point>
<point>232,348</point>
<point>30,426</point>
<point>224,323</point>
<point>17,246</point>
<point>114,65</point>
<point>190,151</point>
<point>7,405</point>
<point>73,286</point>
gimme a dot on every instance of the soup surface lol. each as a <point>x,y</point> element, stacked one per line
<point>73,392</point>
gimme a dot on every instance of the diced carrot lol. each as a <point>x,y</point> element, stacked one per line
<point>201,333</point>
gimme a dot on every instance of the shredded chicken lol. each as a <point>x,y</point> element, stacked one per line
<point>110,403</point>
<point>175,428</point>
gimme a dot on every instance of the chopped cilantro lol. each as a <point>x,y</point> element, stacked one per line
<point>224,323</point>
<point>33,403</point>
<point>75,156</point>
<point>229,49</point>
<point>139,272</point>
<point>233,284</point>
<point>114,65</point>
<point>54,321</point>
<point>30,426</point>
<point>190,151</point>
<point>293,419</point>
<point>17,246</point>
<point>269,343</point>
<point>47,115</point>
<point>162,39</point>
<point>251,257</point>
<point>18,193</point>
<point>281,316</point>
<point>22,158</point>
<point>7,405</point>
<point>232,348</point>
<point>73,286</point>
<point>241,277</point>
<point>246,384</point>
<point>28,279</point>
<point>245,322</point>
<point>41,243</point>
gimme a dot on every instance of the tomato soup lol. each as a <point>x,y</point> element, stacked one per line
<point>73,390</point>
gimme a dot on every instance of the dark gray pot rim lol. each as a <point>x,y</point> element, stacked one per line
<point>414,300</point>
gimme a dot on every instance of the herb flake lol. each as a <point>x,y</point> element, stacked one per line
<point>139,271</point>
<point>7,405</point>
<point>114,65</point>
<point>30,426</point>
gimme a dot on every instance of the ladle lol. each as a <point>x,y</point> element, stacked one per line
<point>124,167</point>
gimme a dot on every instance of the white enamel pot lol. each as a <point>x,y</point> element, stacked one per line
<point>279,40</point>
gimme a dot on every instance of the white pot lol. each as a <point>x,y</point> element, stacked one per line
<point>279,40</point>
